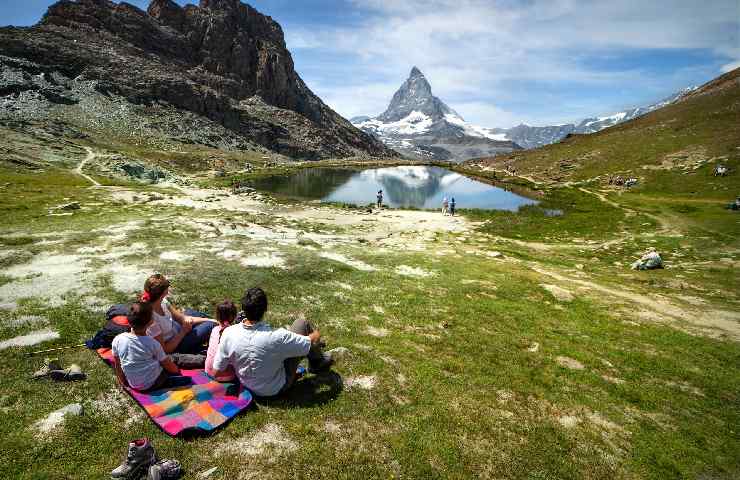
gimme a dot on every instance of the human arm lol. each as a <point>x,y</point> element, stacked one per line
<point>221,360</point>
<point>170,345</point>
<point>119,372</point>
<point>170,366</point>
<point>180,317</point>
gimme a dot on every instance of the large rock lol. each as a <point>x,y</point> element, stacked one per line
<point>222,60</point>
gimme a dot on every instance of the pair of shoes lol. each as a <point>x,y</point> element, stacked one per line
<point>167,469</point>
<point>50,364</point>
<point>321,366</point>
<point>139,458</point>
<point>71,373</point>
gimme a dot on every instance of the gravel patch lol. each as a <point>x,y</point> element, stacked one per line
<point>56,418</point>
<point>559,293</point>
<point>412,271</point>
<point>32,338</point>
<point>270,437</point>
<point>338,257</point>
<point>570,363</point>
<point>46,276</point>
<point>364,382</point>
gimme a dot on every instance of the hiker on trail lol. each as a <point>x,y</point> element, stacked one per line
<point>452,206</point>
<point>266,360</point>
<point>139,360</point>
<point>226,316</point>
<point>174,330</point>
<point>445,206</point>
<point>380,198</point>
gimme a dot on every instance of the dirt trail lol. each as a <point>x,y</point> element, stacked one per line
<point>666,310</point>
<point>90,156</point>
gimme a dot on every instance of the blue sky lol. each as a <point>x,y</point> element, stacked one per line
<point>497,62</point>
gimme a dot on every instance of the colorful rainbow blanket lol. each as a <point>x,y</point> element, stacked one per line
<point>201,407</point>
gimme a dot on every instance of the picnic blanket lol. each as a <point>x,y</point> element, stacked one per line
<point>200,407</point>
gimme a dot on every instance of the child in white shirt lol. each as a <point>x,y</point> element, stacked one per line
<point>140,361</point>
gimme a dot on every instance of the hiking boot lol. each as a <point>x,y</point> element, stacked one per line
<point>49,365</point>
<point>165,469</point>
<point>139,458</point>
<point>320,365</point>
<point>71,373</point>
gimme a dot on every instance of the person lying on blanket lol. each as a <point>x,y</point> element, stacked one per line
<point>265,360</point>
<point>139,360</point>
<point>174,330</point>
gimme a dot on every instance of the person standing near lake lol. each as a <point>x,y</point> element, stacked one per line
<point>452,206</point>
<point>445,206</point>
<point>380,198</point>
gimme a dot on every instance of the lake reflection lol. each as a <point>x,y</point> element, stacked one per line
<point>404,186</point>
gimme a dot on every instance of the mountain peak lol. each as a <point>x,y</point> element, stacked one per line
<point>414,95</point>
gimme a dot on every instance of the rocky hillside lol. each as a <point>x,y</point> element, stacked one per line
<point>217,74</point>
<point>671,149</point>
<point>420,125</point>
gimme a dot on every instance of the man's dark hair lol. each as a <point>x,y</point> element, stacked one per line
<point>254,304</point>
<point>139,314</point>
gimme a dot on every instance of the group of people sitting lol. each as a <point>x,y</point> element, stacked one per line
<point>163,339</point>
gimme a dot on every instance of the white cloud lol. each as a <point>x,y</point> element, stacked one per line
<point>730,66</point>
<point>473,50</point>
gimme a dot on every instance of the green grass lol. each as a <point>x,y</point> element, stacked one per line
<point>460,391</point>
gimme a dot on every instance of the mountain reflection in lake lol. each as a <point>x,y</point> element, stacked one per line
<point>404,186</point>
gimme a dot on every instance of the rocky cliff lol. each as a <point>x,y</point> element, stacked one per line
<point>222,65</point>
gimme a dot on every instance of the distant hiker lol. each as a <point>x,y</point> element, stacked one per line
<point>174,330</point>
<point>445,206</point>
<point>452,206</point>
<point>649,261</point>
<point>380,198</point>
<point>734,205</point>
<point>265,360</point>
<point>139,360</point>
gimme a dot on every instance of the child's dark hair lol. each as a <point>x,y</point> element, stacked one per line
<point>139,315</point>
<point>226,312</point>
<point>254,304</point>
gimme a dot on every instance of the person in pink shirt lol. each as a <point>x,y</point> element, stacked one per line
<point>225,315</point>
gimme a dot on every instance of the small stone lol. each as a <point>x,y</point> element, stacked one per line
<point>570,363</point>
<point>207,473</point>
<point>70,206</point>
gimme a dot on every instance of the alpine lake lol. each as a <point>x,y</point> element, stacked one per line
<point>417,187</point>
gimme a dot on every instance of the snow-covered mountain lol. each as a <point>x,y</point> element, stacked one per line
<point>419,125</point>
<point>532,137</point>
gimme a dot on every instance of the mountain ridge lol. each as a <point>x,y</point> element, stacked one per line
<point>221,60</point>
<point>419,125</point>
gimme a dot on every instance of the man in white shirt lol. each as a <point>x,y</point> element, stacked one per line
<point>265,360</point>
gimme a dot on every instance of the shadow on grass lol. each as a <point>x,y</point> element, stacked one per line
<point>307,392</point>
